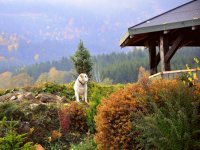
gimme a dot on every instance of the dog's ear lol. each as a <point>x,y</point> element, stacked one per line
<point>81,77</point>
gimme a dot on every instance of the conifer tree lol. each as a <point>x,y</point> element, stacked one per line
<point>82,60</point>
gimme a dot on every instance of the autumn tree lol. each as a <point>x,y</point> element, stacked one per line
<point>42,78</point>
<point>82,60</point>
<point>5,79</point>
<point>21,80</point>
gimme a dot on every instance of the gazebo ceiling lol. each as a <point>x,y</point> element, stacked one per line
<point>191,38</point>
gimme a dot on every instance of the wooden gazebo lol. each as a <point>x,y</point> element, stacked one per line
<point>168,31</point>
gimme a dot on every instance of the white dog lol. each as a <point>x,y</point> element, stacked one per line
<point>80,87</point>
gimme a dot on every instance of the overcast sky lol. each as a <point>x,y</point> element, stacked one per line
<point>99,23</point>
<point>134,10</point>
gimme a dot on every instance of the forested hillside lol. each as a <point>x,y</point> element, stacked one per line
<point>110,68</point>
<point>123,67</point>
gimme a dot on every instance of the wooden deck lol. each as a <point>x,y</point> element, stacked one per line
<point>174,74</point>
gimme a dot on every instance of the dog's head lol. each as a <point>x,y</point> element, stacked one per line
<point>83,78</point>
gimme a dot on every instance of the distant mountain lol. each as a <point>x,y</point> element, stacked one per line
<point>52,36</point>
<point>39,31</point>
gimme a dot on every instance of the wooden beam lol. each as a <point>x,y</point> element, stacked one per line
<point>174,48</point>
<point>152,57</point>
<point>135,39</point>
<point>164,48</point>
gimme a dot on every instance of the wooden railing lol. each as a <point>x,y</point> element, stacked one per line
<point>173,74</point>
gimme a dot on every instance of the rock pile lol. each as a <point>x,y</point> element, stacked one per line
<point>18,96</point>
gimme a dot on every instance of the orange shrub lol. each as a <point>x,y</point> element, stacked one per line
<point>197,89</point>
<point>158,86</point>
<point>115,116</point>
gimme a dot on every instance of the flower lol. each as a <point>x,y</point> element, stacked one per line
<point>49,139</point>
<point>195,76</point>
<point>56,134</point>
<point>31,130</point>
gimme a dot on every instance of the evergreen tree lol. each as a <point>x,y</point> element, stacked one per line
<point>82,60</point>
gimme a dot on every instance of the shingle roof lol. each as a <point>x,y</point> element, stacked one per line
<point>186,15</point>
<point>188,11</point>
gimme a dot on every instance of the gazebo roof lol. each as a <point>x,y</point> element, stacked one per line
<point>179,18</point>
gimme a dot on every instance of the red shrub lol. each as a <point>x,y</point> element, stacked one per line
<point>64,119</point>
<point>73,117</point>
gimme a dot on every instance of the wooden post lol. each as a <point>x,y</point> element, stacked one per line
<point>162,56</point>
<point>152,57</point>
<point>164,48</point>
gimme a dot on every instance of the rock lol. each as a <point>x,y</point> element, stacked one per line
<point>64,100</point>
<point>59,98</point>
<point>24,126</point>
<point>6,97</point>
<point>18,93</point>
<point>13,98</point>
<point>47,98</point>
<point>29,96</point>
<point>32,106</point>
<point>44,98</point>
<point>20,97</point>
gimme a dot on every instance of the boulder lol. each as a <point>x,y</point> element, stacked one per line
<point>33,105</point>
<point>29,95</point>
<point>20,97</point>
<point>13,98</point>
<point>6,97</point>
<point>48,98</point>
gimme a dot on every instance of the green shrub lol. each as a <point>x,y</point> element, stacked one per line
<point>87,144</point>
<point>11,139</point>
<point>2,92</point>
<point>11,110</point>
<point>97,90</point>
<point>44,120</point>
<point>70,91</point>
<point>173,125</point>
<point>91,112</point>
<point>57,145</point>
<point>52,88</point>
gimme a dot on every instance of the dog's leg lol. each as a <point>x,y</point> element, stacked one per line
<point>85,97</point>
<point>77,97</point>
